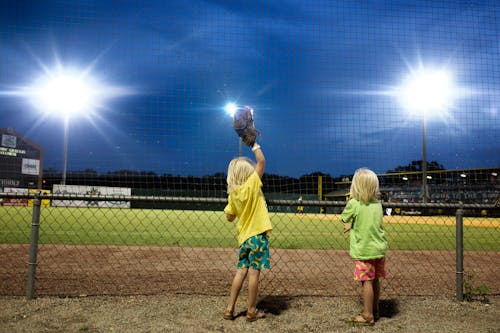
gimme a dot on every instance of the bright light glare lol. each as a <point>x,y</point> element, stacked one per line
<point>69,92</point>
<point>427,91</point>
<point>231,108</point>
<point>65,94</point>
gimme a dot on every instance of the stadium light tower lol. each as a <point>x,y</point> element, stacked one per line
<point>426,93</point>
<point>231,109</point>
<point>67,93</point>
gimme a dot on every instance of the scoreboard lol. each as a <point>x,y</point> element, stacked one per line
<point>21,161</point>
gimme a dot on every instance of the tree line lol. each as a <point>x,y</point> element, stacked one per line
<point>216,183</point>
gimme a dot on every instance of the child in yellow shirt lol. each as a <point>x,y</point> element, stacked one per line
<point>247,203</point>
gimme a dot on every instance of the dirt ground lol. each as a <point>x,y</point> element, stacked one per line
<point>201,313</point>
<point>162,289</point>
<point>75,270</point>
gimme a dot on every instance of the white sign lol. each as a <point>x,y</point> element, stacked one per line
<point>15,201</point>
<point>15,190</point>
<point>94,191</point>
<point>30,167</point>
<point>9,141</point>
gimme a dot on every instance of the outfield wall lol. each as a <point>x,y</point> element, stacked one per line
<point>78,190</point>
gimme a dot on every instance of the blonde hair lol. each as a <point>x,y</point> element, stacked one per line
<point>364,186</point>
<point>238,172</point>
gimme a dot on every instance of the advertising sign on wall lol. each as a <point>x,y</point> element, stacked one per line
<point>118,192</point>
<point>15,201</point>
<point>44,203</point>
<point>30,167</point>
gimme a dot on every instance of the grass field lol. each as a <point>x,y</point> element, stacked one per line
<point>209,229</point>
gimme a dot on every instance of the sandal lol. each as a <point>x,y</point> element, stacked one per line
<point>253,316</point>
<point>229,315</point>
<point>362,320</point>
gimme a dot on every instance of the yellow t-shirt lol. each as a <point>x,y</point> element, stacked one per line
<point>248,204</point>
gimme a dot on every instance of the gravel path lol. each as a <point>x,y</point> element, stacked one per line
<point>199,313</point>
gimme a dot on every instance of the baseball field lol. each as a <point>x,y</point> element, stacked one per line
<point>107,226</point>
<point>184,261</point>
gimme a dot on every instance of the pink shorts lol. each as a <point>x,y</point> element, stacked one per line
<point>367,270</point>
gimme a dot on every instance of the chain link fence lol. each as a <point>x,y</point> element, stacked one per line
<point>335,85</point>
<point>71,251</point>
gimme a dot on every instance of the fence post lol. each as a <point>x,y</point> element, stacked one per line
<point>460,254</point>
<point>35,226</point>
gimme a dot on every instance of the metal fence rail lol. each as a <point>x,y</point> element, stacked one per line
<point>71,251</point>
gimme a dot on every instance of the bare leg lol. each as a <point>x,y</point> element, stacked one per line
<point>376,296</point>
<point>238,280</point>
<point>368,298</point>
<point>253,289</point>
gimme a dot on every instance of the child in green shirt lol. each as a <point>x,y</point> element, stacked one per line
<point>362,218</point>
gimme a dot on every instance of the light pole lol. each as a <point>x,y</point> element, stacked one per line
<point>65,149</point>
<point>67,93</point>
<point>426,92</point>
<point>425,189</point>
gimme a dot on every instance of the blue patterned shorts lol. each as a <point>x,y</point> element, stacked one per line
<point>254,253</point>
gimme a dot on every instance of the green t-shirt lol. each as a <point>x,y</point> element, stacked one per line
<point>367,239</point>
<point>248,204</point>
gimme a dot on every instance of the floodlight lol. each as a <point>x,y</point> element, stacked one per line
<point>427,91</point>
<point>231,108</point>
<point>67,92</point>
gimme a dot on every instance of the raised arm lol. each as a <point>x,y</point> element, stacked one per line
<point>259,157</point>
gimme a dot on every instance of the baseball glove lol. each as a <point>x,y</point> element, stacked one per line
<point>243,125</point>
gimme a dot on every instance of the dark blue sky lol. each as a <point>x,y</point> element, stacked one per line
<point>321,76</point>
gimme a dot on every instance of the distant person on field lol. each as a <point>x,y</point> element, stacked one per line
<point>362,218</point>
<point>300,208</point>
<point>247,203</point>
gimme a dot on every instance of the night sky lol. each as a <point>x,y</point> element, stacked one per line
<point>322,76</point>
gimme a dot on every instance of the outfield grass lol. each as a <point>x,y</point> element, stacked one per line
<point>104,226</point>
